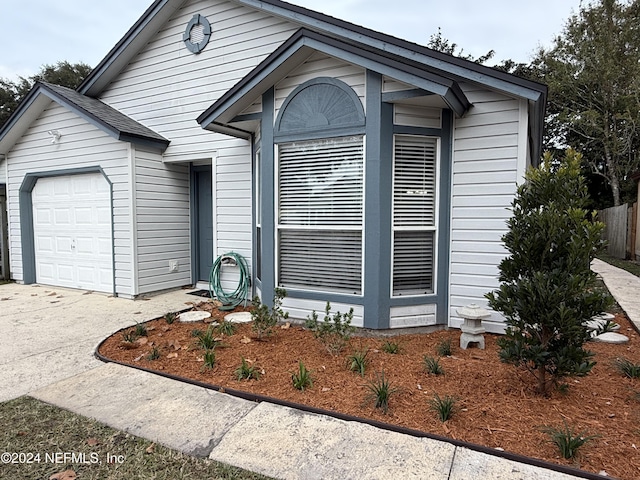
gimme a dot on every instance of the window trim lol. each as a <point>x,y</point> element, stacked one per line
<point>435,228</point>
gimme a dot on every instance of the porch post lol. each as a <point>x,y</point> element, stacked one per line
<point>377,221</point>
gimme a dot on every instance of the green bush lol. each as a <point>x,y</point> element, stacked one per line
<point>391,347</point>
<point>627,368</point>
<point>246,371</point>
<point>302,378</point>
<point>380,391</point>
<point>358,361</point>
<point>207,340</point>
<point>209,359</point>
<point>547,288</point>
<point>334,332</point>
<point>567,440</point>
<point>432,365</point>
<point>444,407</point>
<point>443,349</point>
<point>264,318</point>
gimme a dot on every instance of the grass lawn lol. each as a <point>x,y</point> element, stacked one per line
<point>628,265</point>
<point>55,440</point>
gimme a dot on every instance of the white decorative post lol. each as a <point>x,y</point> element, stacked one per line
<point>472,330</point>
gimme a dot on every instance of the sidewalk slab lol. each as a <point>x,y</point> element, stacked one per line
<point>182,416</point>
<point>624,286</point>
<point>27,374</point>
<point>469,464</point>
<point>285,443</point>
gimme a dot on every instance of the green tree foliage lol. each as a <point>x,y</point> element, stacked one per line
<point>62,73</point>
<point>547,287</point>
<point>441,44</point>
<point>593,73</point>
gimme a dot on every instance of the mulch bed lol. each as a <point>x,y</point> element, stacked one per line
<point>496,404</point>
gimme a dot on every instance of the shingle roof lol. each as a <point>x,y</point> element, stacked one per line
<point>116,123</point>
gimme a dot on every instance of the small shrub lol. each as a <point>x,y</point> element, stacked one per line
<point>209,359</point>
<point>246,371</point>
<point>154,354</point>
<point>443,349</point>
<point>380,392</point>
<point>302,379</point>
<point>170,317</point>
<point>207,340</point>
<point>335,331</point>
<point>129,337</point>
<point>443,406</point>
<point>432,366</point>
<point>605,327</point>
<point>226,328</point>
<point>141,330</point>
<point>566,440</point>
<point>358,361</point>
<point>265,319</point>
<point>627,368</point>
<point>196,332</point>
<point>391,347</point>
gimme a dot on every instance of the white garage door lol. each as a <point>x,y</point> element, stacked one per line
<point>72,231</point>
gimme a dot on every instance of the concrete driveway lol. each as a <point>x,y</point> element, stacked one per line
<point>48,334</point>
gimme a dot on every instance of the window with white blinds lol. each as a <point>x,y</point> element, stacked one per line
<point>414,214</point>
<point>320,214</point>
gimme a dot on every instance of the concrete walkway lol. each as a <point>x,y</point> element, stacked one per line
<point>46,350</point>
<point>624,286</point>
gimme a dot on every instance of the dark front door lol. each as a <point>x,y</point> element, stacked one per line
<point>204,222</point>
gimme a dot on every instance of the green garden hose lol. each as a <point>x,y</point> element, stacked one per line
<point>230,300</point>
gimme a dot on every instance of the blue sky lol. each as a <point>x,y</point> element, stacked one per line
<point>38,32</point>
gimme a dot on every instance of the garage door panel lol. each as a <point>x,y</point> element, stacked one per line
<point>104,247</point>
<point>47,272</point>
<point>73,232</point>
<point>103,216</point>
<point>63,245</point>
<point>42,216</point>
<point>65,272</point>
<point>44,244</point>
<point>84,216</point>
<point>61,188</point>
<point>62,217</point>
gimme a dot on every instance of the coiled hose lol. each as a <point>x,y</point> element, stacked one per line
<point>230,300</point>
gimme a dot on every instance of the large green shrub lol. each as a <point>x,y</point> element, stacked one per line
<point>547,288</point>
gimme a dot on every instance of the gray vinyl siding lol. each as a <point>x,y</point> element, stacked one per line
<point>81,145</point>
<point>162,222</point>
<point>233,210</point>
<point>302,308</point>
<point>166,87</point>
<point>488,162</point>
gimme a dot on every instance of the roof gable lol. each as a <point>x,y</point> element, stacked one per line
<point>299,47</point>
<point>161,10</point>
<point>106,118</point>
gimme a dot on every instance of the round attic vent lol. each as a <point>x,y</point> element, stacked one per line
<point>197,34</point>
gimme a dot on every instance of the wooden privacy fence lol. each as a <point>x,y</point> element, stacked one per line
<point>621,231</point>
